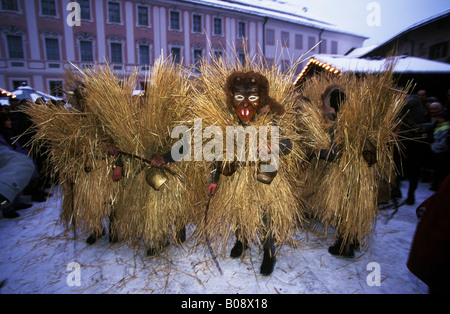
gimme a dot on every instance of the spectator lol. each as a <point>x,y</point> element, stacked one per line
<point>434,109</point>
<point>22,128</point>
<point>440,149</point>
<point>422,94</point>
<point>414,144</point>
<point>16,170</point>
<point>430,250</point>
<point>426,109</point>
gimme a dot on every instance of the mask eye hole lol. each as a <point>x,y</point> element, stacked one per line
<point>239,97</point>
<point>253,98</point>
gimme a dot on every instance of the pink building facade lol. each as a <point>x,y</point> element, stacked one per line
<point>40,38</point>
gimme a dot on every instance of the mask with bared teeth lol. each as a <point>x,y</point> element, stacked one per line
<point>247,95</point>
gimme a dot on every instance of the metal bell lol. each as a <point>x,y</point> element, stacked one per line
<point>156,177</point>
<point>267,176</point>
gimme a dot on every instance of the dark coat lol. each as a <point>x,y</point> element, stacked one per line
<point>429,257</point>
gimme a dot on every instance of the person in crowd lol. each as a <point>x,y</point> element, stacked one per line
<point>22,129</point>
<point>16,170</point>
<point>422,94</point>
<point>429,256</point>
<point>440,149</point>
<point>414,144</point>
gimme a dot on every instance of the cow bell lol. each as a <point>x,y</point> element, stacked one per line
<point>266,177</point>
<point>156,177</point>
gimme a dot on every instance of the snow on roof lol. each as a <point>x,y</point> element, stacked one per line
<point>361,51</point>
<point>5,93</point>
<point>339,64</point>
<point>275,9</point>
<point>403,64</point>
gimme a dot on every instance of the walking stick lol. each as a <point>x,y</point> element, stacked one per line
<point>148,162</point>
<point>211,251</point>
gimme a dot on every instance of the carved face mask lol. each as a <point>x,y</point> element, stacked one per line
<point>246,103</point>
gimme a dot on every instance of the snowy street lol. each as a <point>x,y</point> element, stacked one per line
<point>37,256</point>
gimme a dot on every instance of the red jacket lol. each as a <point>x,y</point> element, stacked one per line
<point>429,258</point>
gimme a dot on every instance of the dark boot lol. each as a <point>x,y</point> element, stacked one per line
<point>112,235</point>
<point>342,249</point>
<point>181,235</point>
<point>93,237</point>
<point>411,199</point>
<point>238,249</point>
<point>268,262</point>
<point>155,250</point>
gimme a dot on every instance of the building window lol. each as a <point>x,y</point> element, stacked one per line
<point>56,88</point>
<point>144,54</point>
<point>311,43</point>
<point>197,23</point>
<point>17,83</point>
<point>116,52</point>
<point>270,37</point>
<point>218,54</point>
<point>241,30</point>
<point>9,5</point>
<point>270,62</point>
<point>334,47</point>
<point>85,8</point>
<point>48,7</point>
<point>197,56</point>
<point>113,12</point>
<point>15,46</point>
<point>439,50</point>
<point>175,53</point>
<point>175,20</point>
<point>323,46</point>
<point>52,48</point>
<point>298,41</point>
<point>143,16</point>
<point>285,39</point>
<point>241,57</point>
<point>285,66</point>
<point>86,51</point>
<point>217,30</point>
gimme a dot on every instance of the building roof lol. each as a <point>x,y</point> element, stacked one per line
<point>415,26</point>
<point>278,10</point>
<point>5,93</point>
<point>339,64</point>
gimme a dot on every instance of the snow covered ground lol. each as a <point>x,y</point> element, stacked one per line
<point>38,256</point>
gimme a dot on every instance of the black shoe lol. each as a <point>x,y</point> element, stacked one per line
<point>434,188</point>
<point>91,239</point>
<point>23,206</point>
<point>11,214</point>
<point>4,203</point>
<point>94,237</point>
<point>268,262</point>
<point>38,196</point>
<point>113,238</point>
<point>153,251</point>
<point>237,249</point>
<point>181,235</point>
<point>410,201</point>
<point>340,249</point>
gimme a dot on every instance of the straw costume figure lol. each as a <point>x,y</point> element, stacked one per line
<point>152,205</point>
<point>77,163</point>
<point>249,198</point>
<point>361,115</point>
